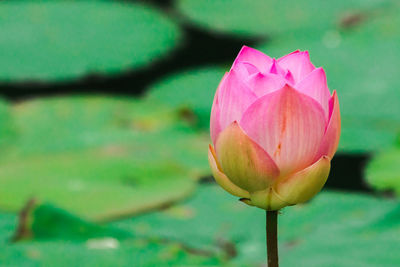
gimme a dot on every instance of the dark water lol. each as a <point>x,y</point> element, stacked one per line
<point>347,173</point>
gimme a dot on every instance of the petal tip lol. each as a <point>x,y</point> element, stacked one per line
<point>287,87</point>
<point>246,48</point>
<point>294,52</point>
<point>320,69</point>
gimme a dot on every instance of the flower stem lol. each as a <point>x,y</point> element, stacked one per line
<point>272,238</point>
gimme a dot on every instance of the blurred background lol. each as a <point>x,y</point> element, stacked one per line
<point>104,117</point>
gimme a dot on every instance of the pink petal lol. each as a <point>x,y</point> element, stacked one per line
<point>289,78</point>
<point>222,179</point>
<point>276,69</point>
<point>244,70</point>
<point>331,138</point>
<point>242,160</point>
<point>315,86</point>
<point>262,84</point>
<point>255,57</point>
<point>234,97</point>
<point>298,63</point>
<point>215,126</point>
<point>288,125</point>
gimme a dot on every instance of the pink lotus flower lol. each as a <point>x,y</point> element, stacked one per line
<point>275,128</point>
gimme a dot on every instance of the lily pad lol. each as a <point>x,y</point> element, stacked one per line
<point>361,65</point>
<point>260,18</point>
<point>213,228</point>
<point>193,90</point>
<point>44,221</point>
<point>65,40</point>
<point>102,253</point>
<point>8,224</point>
<point>335,229</point>
<point>383,171</point>
<point>121,125</point>
<point>7,124</point>
<point>95,185</point>
<point>58,238</point>
<point>101,158</point>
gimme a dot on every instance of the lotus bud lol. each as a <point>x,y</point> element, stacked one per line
<point>275,128</point>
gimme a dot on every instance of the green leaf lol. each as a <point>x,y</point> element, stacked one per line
<point>7,124</point>
<point>335,229</point>
<point>8,223</point>
<point>361,65</point>
<point>86,121</point>
<point>58,238</point>
<point>101,158</point>
<point>77,123</point>
<point>101,252</point>
<point>383,171</point>
<point>95,185</point>
<point>193,90</point>
<point>65,40</point>
<point>260,17</point>
<point>45,222</point>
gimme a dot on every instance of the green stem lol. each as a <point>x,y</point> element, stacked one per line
<point>272,238</point>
